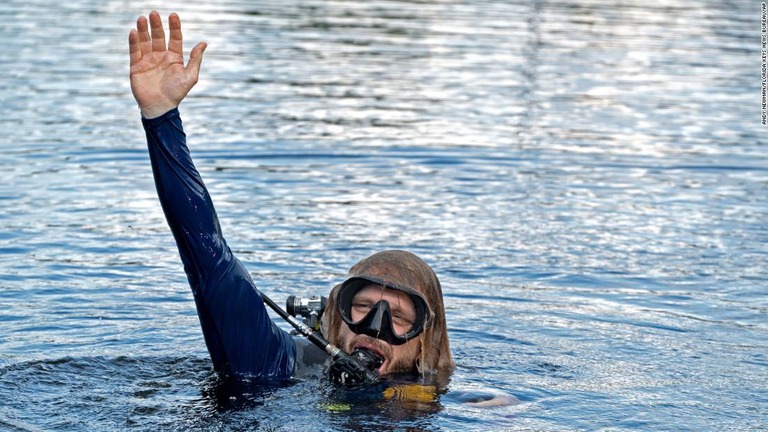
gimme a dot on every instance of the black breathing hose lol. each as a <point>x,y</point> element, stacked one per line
<point>347,370</point>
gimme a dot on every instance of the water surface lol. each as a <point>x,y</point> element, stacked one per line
<point>588,179</point>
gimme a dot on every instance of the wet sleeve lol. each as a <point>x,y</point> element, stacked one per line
<point>241,338</point>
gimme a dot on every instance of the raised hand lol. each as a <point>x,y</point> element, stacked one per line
<point>159,79</point>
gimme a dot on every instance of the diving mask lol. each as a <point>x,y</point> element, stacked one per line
<point>379,321</point>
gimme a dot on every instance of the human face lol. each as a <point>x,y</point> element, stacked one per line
<point>397,358</point>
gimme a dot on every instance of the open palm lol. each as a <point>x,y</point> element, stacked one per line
<point>159,78</point>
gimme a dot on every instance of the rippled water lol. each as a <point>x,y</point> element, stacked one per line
<point>588,178</point>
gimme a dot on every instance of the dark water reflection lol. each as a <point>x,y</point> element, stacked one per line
<point>588,178</point>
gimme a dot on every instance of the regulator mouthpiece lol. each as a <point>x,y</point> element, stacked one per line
<point>368,358</point>
<point>361,368</point>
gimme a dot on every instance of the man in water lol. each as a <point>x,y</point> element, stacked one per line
<point>391,304</point>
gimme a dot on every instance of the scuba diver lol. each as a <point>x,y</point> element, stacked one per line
<point>386,318</point>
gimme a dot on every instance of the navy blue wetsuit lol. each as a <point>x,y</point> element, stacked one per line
<point>241,338</point>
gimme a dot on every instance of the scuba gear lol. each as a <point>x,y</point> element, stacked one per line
<point>360,369</point>
<point>378,322</point>
<point>310,308</point>
<point>343,372</point>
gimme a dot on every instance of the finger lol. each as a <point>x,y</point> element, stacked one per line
<point>195,59</point>
<point>174,23</point>
<point>145,43</point>
<point>158,34</point>
<point>134,47</point>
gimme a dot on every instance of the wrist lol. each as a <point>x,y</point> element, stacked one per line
<point>163,118</point>
<point>154,111</point>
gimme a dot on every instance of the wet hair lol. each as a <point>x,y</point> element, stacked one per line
<point>403,268</point>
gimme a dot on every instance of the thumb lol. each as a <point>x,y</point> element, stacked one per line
<point>195,59</point>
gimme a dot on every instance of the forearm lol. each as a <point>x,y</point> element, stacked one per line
<point>185,200</point>
<point>241,338</point>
